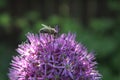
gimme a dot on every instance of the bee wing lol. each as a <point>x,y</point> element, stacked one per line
<point>44,29</point>
<point>45,26</point>
<point>57,28</point>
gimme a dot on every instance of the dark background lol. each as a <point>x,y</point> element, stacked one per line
<point>95,22</point>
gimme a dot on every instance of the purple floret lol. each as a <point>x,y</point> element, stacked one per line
<point>46,57</point>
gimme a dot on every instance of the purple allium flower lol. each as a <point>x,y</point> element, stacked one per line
<point>46,57</point>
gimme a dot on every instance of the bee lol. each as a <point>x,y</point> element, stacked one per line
<point>49,30</point>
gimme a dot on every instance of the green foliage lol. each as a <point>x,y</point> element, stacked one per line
<point>3,3</point>
<point>5,21</point>
<point>32,15</point>
<point>114,5</point>
<point>101,24</point>
<point>5,59</point>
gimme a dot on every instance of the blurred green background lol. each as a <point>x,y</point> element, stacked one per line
<point>96,23</point>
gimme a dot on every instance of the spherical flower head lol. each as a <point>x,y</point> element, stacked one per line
<point>46,57</point>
